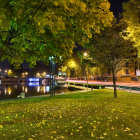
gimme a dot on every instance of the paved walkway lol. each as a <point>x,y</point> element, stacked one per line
<point>126,84</point>
<point>134,84</point>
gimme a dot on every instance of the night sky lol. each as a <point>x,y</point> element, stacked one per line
<point>116,7</point>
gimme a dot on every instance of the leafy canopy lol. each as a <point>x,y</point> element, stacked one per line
<point>35,30</point>
<point>110,49</point>
<point>131,16</point>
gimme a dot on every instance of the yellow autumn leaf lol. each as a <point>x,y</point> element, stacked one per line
<point>30,138</point>
<point>1,126</point>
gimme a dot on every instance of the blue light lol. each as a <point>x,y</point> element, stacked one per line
<point>33,84</point>
<point>47,76</point>
<point>34,79</point>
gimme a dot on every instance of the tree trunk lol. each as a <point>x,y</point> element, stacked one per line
<point>75,75</point>
<point>87,79</point>
<point>138,68</point>
<point>114,84</point>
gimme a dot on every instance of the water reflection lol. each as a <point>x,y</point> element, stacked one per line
<point>5,91</point>
<point>47,88</point>
<point>31,89</point>
<point>44,89</point>
<point>38,88</point>
<point>33,84</point>
<point>26,90</point>
<point>9,91</point>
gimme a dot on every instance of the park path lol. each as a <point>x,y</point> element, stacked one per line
<point>134,84</point>
<point>130,85</point>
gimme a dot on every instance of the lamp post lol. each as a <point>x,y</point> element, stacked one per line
<point>52,76</point>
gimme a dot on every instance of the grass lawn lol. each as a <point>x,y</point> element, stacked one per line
<point>77,116</point>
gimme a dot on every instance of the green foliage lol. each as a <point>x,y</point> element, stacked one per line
<point>35,30</point>
<point>110,49</point>
<point>131,16</point>
<point>71,67</point>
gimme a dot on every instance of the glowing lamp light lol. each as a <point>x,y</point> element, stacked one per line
<point>85,54</point>
<point>44,73</point>
<point>51,58</point>
<point>26,73</point>
<point>9,70</point>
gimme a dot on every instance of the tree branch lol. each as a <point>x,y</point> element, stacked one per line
<point>38,8</point>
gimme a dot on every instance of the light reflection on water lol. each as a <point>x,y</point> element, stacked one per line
<point>30,89</point>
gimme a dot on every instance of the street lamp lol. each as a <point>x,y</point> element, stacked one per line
<point>44,74</point>
<point>85,54</point>
<point>52,76</point>
<point>9,72</point>
<point>26,73</point>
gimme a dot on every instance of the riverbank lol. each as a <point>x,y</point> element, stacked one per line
<point>76,116</point>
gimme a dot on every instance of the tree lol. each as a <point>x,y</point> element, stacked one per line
<point>71,67</point>
<point>63,69</point>
<point>35,30</point>
<point>111,50</point>
<point>131,16</point>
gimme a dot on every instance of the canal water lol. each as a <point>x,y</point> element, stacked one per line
<point>11,90</point>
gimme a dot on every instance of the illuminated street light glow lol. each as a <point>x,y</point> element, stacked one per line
<point>10,70</point>
<point>38,74</point>
<point>26,73</point>
<point>44,73</point>
<point>85,54</point>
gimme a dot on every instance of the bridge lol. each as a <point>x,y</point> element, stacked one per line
<point>127,86</point>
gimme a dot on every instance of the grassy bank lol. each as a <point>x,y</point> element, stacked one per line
<point>77,116</point>
<point>87,85</point>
